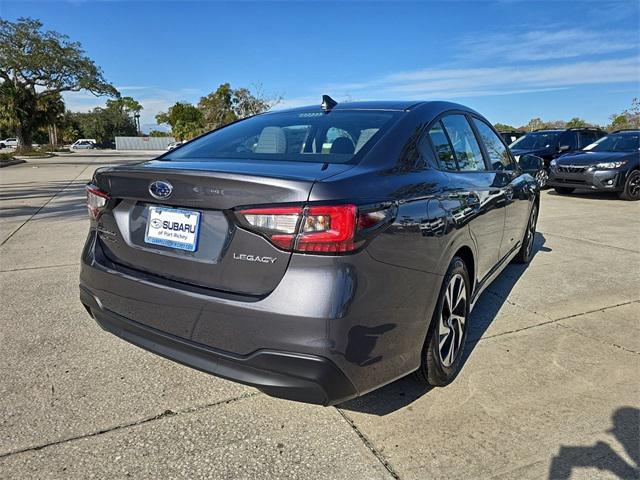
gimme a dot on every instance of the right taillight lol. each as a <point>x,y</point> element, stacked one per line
<point>329,229</point>
<point>96,201</point>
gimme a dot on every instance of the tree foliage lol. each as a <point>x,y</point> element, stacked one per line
<point>503,127</point>
<point>629,118</point>
<point>35,64</point>
<point>219,108</point>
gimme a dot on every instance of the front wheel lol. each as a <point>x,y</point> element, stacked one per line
<point>542,176</point>
<point>443,349</point>
<point>631,187</point>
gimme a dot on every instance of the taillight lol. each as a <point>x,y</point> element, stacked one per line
<point>317,228</point>
<point>96,200</point>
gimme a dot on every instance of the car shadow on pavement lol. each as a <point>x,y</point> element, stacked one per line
<point>601,455</point>
<point>588,194</point>
<point>403,392</point>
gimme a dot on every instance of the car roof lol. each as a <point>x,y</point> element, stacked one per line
<point>429,108</point>
<point>626,130</point>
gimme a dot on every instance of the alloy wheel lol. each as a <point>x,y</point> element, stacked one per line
<point>542,176</point>
<point>531,231</point>
<point>452,320</point>
<point>634,185</point>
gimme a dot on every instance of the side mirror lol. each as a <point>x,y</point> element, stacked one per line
<point>564,148</point>
<point>531,163</point>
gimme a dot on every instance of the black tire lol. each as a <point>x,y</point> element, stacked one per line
<point>631,187</point>
<point>435,368</point>
<point>525,254</point>
<point>564,190</point>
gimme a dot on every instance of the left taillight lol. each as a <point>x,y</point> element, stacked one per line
<point>96,201</point>
<point>329,229</point>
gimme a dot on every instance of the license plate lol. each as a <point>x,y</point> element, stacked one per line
<point>173,227</point>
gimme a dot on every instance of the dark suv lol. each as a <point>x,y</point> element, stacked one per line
<point>315,253</point>
<point>610,164</point>
<point>550,144</point>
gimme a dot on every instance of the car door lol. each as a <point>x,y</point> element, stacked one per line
<point>472,184</point>
<point>516,186</point>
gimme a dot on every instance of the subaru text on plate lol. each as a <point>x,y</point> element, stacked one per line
<point>315,253</point>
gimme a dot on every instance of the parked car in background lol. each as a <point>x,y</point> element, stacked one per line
<point>511,136</point>
<point>9,142</point>
<point>612,163</point>
<point>84,143</point>
<point>315,253</point>
<point>550,144</point>
<point>173,145</point>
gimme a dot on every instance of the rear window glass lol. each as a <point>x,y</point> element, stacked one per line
<point>334,137</point>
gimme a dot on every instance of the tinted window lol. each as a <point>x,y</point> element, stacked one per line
<point>465,145</point>
<point>498,154</point>
<point>536,140</point>
<point>333,137</point>
<point>442,146</point>
<point>587,138</point>
<point>568,138</point>
<point>617,142</point>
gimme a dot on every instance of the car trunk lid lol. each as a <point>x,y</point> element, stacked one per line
<point>226,257</point>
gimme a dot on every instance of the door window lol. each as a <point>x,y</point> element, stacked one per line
<point>498,155</point>
<point>465,145</point>
<point>568,138</point>
<point>586,138</point>
<point>444,152</point>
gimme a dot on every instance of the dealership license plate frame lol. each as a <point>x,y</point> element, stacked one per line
<point>155,211</point>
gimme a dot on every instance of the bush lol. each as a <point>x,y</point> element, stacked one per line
<point>5,157</point>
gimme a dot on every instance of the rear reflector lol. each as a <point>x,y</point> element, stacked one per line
<point>96,200</point>
<point>315,229</point>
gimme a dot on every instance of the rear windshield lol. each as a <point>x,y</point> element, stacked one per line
<point>334,137</point>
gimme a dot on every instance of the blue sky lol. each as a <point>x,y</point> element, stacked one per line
<point>510,60</point>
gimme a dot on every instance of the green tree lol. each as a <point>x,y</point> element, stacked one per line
<point>503,127</point>
<point>576,122</point>
<point>36,63</point>
<point>217,107</point>
<point>126,105</point>
<point>185,120</point>
<point>159,133</point>
<point>227,105</point>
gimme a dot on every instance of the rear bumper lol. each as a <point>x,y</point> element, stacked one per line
<point>334,328</point>
<point>294,376</point>
<point>610,180</point>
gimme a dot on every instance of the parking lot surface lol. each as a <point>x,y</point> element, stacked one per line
<point>550,388</point>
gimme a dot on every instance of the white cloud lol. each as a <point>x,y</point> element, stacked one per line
<point>540,45</point>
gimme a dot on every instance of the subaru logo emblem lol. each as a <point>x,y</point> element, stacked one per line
<point>160,189</point>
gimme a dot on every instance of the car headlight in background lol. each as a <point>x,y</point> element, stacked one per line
<point>608,165</point>
<point>553,163</point>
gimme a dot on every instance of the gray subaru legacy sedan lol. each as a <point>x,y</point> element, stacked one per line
<point>316,253</point>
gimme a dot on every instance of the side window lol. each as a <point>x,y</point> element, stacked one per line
<point>586,138</point>
<point>568,138</point>
<point>498,154</point>
<point>465,145</point>
<point>442,146</point>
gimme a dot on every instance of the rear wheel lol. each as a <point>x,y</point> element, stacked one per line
<point>632,187</point>
<point>564,190</point>
<point>526,250</point>
<point>443,348</point>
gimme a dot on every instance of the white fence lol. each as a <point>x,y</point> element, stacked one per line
<point>143,143</point>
